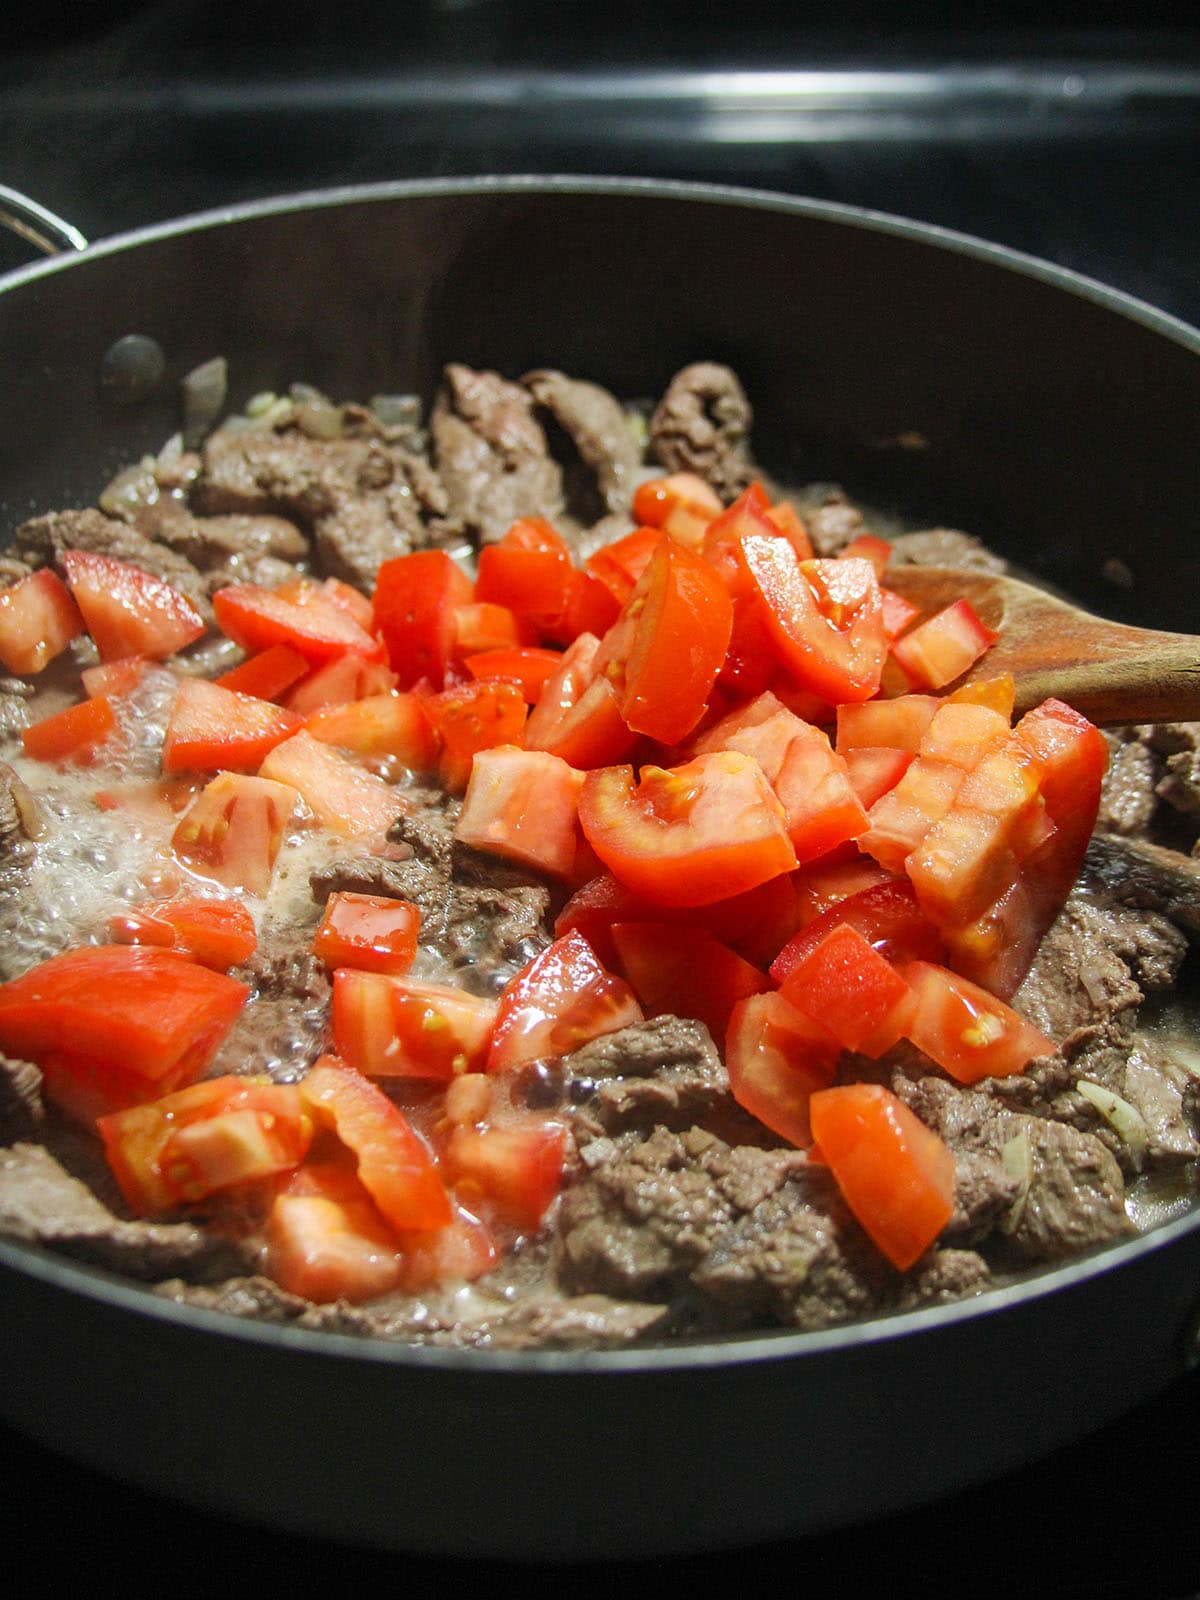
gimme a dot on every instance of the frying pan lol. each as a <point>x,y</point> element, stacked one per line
<point>937,376</point>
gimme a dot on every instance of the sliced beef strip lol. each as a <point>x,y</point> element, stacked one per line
<point>1180,783</point>
<point>491,453</point>
<point>223,542</point>
<point>21,1110</point>
<point>42,541</point>
<point>832,522</point>
<point>41,1202</point>
<point>284,1026</point>
<point>484,915</point>
<point>598,426</point>
<point>16,712</point>
<point>1163,1089</point>
<point>943,1276</point>
<point>737,1231</point>
<point>1068,1194</point>
<point>21,823</point>
<point>1127,799</point>
<point>702,425</point>
<point>362,500</point>
<point>1149,879</point>
<point>944,547</point>
<point>665,1071</point>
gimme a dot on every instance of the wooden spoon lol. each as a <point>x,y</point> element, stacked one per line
<point>1112,673</point>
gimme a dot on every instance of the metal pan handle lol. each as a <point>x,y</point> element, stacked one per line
<point>36,225</point>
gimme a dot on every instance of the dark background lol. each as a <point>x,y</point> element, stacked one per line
<point>1069,131</point>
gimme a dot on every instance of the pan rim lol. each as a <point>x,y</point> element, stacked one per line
<point>127,1296</point>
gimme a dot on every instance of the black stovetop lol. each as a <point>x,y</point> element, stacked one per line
<point>1071,142</point>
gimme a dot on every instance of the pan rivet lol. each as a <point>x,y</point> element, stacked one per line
<point>132,368</point>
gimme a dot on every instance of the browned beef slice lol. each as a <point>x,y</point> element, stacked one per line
<point>984,1189</point>
<point>1149,880</point>
<point>252,1296</point>
<point>21,824</point>
<point>284,1026</point>
<point>43,540</point>
<point>663,1071</point>
<point>1161,1085</point>
<point>41,1202</point>
<point>832,523</point>
<point>702,425</point>
<point>364,501</point>
<point>1069,1193</point>
<point>482,913</point>
<point>1127,799</point>
<point>491,453</point>
<point>685,1215</point>
<point>942,1276</point>
<point>1180,783</point>
<point>15,710</point>
<point>597,424</point>
<point>944,547</point>
<point>209,542</point>
<point>21,1108</point>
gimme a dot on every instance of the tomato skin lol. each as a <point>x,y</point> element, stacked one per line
<point>475,716</point>
<point>145,1017</point>
<point>895,1174</point>
<point>217,933</point>
<point>557,1002</point>
<point>371,933</point>
<point>968,1032</point>
<point>74,734</point>
<point>211,727</point>
<point>826,617</point>
<point>619,566</point>
<point>523,805</point>
<point>311,624</point>
<point>346,799</point>
<point>528,668</point>
<point>519,1169</point>
<point>38,620</point>
<point>129,612</point>
<point>682,971</point>
<point>530,583</point>
<point>267,673</point>
<point>777,1058</point>
<point>327,1240</point>
<point>887,916</point>
<point>590,608</point>
<point>702,832</point>
<point>415,598</point>
<point>399,1027</point>
<point>849,988</point>
<point>393,1164</point>
<point>162,1158</point>
<point>681,504</point>
<point>232,831</point>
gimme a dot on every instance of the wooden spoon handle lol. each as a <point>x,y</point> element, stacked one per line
<point>1162,685</point>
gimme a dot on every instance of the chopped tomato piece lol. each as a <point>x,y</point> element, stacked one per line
<point>345,798</point>
<point>519,1169</point>
<point>826,617</point>
<point>391,1027</point>
<point>327,1240</point>
<point>483,625</point>
<point>338,682</point>
<point>458,1253</point>
<point>370,932</point>
<point>38,620</point>
<point>590,608</point>
<point>1073,757</point>
<point>681,504</point>
<point>788,520</point>
<point>899,724</point>
<point>114,678</point>
<point>962,732</point>
<point>868,547</point>
<point>415,600</point>
<point>75,734</point>
<point>528,668</point>
<point>968,1032</point>
<point>821,809</point>
<point>211,727</point>
<point>557,1002</point>
<point>129,612</point>
<point>747,516</point>
<point>233,830</point>
<point>941,649</point>
<point>895,1174</point>
<point>849,988</point>
<point>701,832</point>
<point>217,933</point>
<point>473,717</point>
<point>898,612</point>
<point>999,693</point>
<point>901,818</point>
<point>212,1136</point>
<point>523,805</point>
<point>776,1058</point>
<point>827,883</point>
<point>311,624</point>
<point>124,1017</point>
<point>664,651</point>
<point>578,717</point>
<point>394,724</point>
<point>532,583</point>
<point>886,915</point>
<point>682,971</point>
<point>352,601</point>
<point>393,1164</point>
<point>874,770</point>
<point>266,674</point>
<point>619,566</point>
